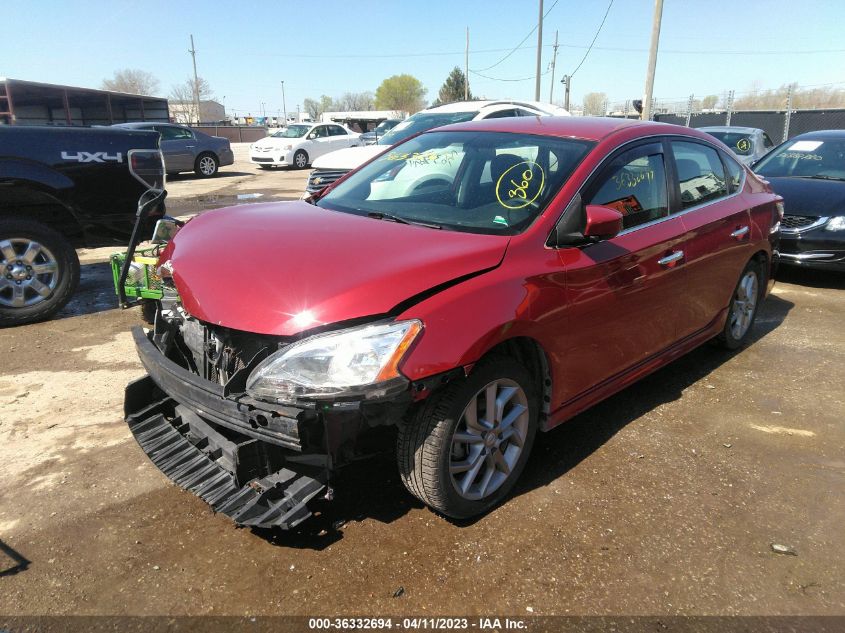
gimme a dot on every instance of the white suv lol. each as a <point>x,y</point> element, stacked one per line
<point>332,166</point>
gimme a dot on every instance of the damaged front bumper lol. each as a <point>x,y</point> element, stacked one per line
<point>258,463</point>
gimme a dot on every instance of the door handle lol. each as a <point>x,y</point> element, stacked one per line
<point>671,259</point>
<point>190,146</point>
<point>740,232</point>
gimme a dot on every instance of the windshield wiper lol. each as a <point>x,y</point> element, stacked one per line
<point>822,177</point>
<point>378,215</point>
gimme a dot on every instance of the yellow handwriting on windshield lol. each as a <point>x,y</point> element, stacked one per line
<point>520,185</point>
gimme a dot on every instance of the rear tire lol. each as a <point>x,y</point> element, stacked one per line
<point>742,310</point>
<point>206,165</point>
<point>40,271</point>
<point>461,463</point>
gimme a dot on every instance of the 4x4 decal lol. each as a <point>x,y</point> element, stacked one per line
<point>93,157</point>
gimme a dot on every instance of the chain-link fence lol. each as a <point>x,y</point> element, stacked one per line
<point>773,122</point>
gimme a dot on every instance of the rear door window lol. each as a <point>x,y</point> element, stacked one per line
<point>701,175</point>
<point>634,183</point>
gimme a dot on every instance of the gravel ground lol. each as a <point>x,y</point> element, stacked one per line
<point>665,499</point>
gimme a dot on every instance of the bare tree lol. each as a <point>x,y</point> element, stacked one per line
<point>354,101</point>
<point>182,97</point>
<point>594,104</point>
<point>315,108</point>
<point>133,81</point>
<point>807,98</point>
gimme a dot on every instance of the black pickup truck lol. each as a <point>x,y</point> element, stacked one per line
<point>60,189</point>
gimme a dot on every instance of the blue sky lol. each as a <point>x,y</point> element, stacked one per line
<point>244,49</point>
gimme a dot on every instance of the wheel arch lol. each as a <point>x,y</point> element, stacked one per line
<point>35,203</point>
<point>529,353</point>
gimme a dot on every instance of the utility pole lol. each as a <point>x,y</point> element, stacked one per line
<point>730,107</point>
<point>567,79</point>
<point>284,106</point>
<point>193,53</point>
<point>466,69</point>
<point>788,114</point>
<point>652,59</point>
<point>539,53</point>
<point>554,59</point>
<point>689,109</point>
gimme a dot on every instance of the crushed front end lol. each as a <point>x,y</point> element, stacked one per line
<point>259,463</point>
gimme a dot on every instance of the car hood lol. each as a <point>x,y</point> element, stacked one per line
<point>809,197</point>
<point>282,268</point>
<point>348,158</point>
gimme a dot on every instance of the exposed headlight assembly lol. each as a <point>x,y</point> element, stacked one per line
<point>836,224</point>
<point>360,362</point>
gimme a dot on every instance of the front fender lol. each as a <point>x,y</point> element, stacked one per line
<point>464,322</point>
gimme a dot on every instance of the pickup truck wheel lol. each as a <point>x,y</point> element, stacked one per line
<point>463,449</point>
<point>300,159</point>
<point>206,165</point>
<point>742,310</point>
<point>40,271</point>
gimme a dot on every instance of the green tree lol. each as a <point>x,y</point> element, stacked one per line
<point>453,88</point>
<point>400,92</point>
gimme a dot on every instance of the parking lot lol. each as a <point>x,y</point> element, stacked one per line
<point>667,498</point>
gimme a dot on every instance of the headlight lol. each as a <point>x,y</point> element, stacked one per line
<point>360,362</point>
<point>287,147</point>
<point>836,224</point>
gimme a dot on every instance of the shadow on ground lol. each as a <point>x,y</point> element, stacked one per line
<point>811,277</point>
<point>19,563</point>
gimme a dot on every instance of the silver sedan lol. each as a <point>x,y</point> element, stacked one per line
<point>748,143</point>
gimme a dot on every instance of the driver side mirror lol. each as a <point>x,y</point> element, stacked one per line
<point>602,222</point>
<point>582,224</point>
<point>312,136</point>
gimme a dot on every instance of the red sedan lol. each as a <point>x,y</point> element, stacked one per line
<point>460,292</point>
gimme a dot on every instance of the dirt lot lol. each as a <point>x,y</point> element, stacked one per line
<point>665,499</point>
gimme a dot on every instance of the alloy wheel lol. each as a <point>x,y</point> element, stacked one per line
<point>30,273</point>
<point>489,439</point>
<point>744,304</point>
<point>207,165</point>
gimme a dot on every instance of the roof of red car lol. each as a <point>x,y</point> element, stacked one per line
<point>588,128</point>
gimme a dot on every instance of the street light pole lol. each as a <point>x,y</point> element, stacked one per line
<point>284,106</point>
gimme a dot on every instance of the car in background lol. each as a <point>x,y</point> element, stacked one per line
<point>299,144</point>
<point>372,137</point>
<point>443,322</point>
<point>809,172</point>
<point>185,149</point>
<point>749,144</point>
<point>337,164</point>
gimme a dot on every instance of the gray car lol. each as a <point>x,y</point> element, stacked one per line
<point>748,143</point>
<point>185,149</point>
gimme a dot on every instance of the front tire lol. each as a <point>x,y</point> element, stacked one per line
<point>300,159</point>
<point>457,457</point>
<point>40,271</point>
<point>206,165</point>
<point>742,311</point>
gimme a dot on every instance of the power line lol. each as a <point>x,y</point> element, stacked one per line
<point>508,79</point>
<point>516,48</point>
<point>595,37</point>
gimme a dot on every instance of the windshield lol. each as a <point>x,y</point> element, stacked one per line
<point>741,144</point>
<point>292,131</point>
<point>806,159</point>
<point>385,126</point>
<point>422,121</point>
<point>478,182</point>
